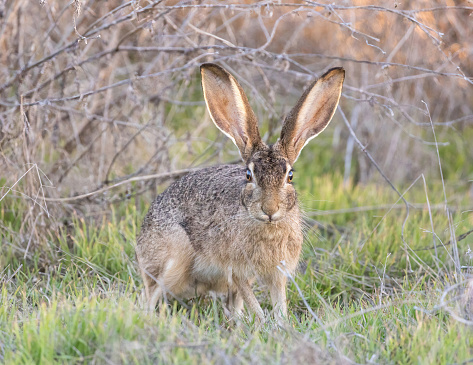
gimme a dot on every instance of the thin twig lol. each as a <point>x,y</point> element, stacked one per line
<point>164,175</point>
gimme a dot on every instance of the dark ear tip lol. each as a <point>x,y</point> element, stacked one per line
<point>206,65</point>
<point>211,67</point>
<point>334,71</point>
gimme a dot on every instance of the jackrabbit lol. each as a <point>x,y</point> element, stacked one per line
<point>217,229</point>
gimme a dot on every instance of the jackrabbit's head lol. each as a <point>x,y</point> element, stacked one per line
<point>269,193</point>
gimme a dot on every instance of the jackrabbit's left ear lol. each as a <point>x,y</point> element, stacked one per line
<point>312,113</point>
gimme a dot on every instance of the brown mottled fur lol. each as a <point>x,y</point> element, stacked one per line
<point>215,229</point>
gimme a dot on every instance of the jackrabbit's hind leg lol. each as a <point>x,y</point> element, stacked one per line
<point>155,295</point>
<point>153,290</point>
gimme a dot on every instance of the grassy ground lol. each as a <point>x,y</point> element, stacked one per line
<point>358,296</point>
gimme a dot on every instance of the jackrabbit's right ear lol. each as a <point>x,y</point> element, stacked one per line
<point>229,108</point>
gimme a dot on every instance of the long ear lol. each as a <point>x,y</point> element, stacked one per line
<point>229,108</point>
<point>312,113</point>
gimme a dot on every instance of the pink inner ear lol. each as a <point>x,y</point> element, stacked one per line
<point>296,140</point>
<point>304,134</point>
<point>233,121</point>
<point>229,108</point>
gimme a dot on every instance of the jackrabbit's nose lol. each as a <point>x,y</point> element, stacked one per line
<point>270,210</point>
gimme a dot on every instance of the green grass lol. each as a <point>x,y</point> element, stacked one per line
<point>78,298</point>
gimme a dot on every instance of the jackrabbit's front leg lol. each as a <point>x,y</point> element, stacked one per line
<point>234,303</point>
<point>277,289</point>
<point>244,288</point>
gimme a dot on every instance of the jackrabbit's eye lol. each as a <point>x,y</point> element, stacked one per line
<point>248,175</point>
<point>290,176</point>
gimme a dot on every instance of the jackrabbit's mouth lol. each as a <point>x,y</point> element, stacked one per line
<point>267,221</point>
<point>262,220</point>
